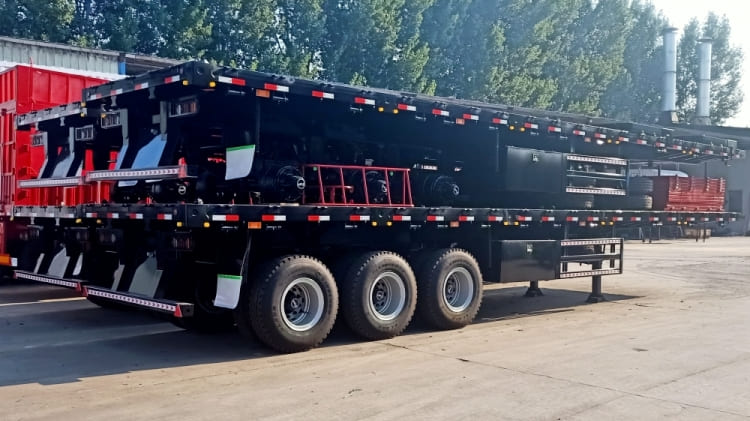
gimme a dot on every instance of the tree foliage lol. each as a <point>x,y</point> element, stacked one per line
<point>726,69</point>
<point>585,56</point>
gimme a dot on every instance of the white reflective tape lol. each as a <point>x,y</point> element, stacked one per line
<point>402,218</point>
<point>273,218</point>
<point>140,86</point>
<point>172,79</point>
<point>494,218</point>
<point>133,300</point>
<point>47,279</point>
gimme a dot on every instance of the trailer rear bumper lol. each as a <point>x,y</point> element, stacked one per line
<point>173,308</point>
<point>50,280</point>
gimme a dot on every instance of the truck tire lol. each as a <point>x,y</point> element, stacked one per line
<point>640,202</point>
<point>640,186</point>
<point>577,201</point>
<point>292,303</point>
<point>450,289</point>
<point>380,293</point>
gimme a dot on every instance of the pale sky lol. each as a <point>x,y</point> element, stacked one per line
<point>679,13</point>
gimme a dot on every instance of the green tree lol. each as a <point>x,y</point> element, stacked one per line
<point>635,94</point>
<point>375,42</point>
<point>296,38</point>
<point>726,70</point>
<point>46,20</point>
<point>240,31</point>
<point>594,56</point>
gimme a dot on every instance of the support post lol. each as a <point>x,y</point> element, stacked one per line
<point>596,295</point>
<point>534,290</point>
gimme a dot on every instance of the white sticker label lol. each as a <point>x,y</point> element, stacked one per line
<point>227,291</point>
<point>239,161</point>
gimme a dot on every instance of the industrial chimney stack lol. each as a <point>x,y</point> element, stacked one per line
<point>669,98</point>
<point>703,108</point>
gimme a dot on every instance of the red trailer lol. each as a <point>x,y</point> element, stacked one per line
<point>24,89</point>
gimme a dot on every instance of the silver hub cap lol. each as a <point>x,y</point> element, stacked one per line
<point>458,290</point>
<point>302,304</point>
<point>387,296</point>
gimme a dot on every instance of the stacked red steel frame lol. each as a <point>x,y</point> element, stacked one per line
<point>25,89</point>
<point>689,194</point>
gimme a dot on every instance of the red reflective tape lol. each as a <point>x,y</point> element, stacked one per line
<point>494,218</point>
<point>635,218</point>
<point>171,79</point>
<point>600,135</point>
<point>593,219</point>
<point>438,111</point>
<point>618,219</point>
<point>531,126</point>
<point>572,219</point>
<point>273,218</point>
<point>406,107</point>
<point>164,216</point>
<point>579,133</point>
<point>232,218</point>
<point>318,218</point>
<point>115,92</point>
<point>139,86</point>
<point>641,142</point>
<point>523,218</point>
<point>466,218</point>
<point>435,218</point>
<point>548,219</point>
<point>275,87</point>
<point>472,117</point>
<point>401,218</point>
<point>623,139</point>
<point>499,121</point>
<point>322,95</point>
<point>232,80</point>
<point>359,218</point>
<point>554,129</point>
<point>364,101</point>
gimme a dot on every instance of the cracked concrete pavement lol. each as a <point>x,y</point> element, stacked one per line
<point>672,341</point>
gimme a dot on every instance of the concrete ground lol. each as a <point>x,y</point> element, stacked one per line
<point>673,341</point>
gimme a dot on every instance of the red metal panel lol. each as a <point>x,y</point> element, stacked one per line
<point>24,89</point>
<point>689,193</point>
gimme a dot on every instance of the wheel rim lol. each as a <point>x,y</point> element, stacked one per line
<point>387,296</point>
<point>458,289</point>
<point>302,304</point>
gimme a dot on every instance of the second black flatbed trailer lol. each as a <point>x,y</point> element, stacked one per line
<point>283,271</point>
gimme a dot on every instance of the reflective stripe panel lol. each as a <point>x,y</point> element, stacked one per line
<point>323,95</point>
<point>232,80</point>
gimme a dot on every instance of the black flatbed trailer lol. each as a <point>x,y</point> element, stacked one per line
<point>234,254</point>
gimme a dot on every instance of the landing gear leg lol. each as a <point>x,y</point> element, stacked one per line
<point>534,290</point>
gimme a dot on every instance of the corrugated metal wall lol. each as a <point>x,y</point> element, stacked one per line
<point>13,50</point>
